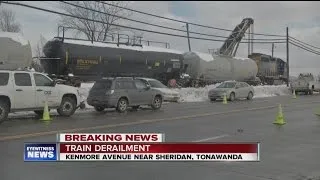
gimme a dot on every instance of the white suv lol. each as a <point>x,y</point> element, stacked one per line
<point>28,91</point>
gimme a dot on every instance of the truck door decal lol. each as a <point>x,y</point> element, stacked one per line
<point>47,92</point>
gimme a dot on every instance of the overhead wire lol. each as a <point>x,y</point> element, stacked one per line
<point>301,46</point>
<point>195,24</point>
<point>155,25</point>
<point>122,26</point>
<point>304,42</point>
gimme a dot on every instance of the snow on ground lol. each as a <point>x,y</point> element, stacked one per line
<point>195,94</point>
<point>201,94</point>
<point>84,92</point>
<point>269,91</point>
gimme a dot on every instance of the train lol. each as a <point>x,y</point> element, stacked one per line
<point>88,61</point>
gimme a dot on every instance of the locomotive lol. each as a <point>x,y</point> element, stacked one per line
<point>271,70</point>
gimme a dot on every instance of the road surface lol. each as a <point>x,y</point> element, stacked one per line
<point>287,152</point>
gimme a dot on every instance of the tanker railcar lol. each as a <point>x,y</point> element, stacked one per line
<point>89,61</point>
<point>271,70</point>
<point>207,69</point>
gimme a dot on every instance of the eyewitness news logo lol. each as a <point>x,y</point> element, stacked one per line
<point>40,152</point>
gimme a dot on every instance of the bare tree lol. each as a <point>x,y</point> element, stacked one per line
<point>38,53</point>
<point>39,46</point>
<point>97,30</point>
<point>8,21</point>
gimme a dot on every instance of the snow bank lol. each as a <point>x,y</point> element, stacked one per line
<point>84,92</point>
<point>15,37</point>
<point>269,91</point>
<point>201,94</point>
<point>195,94</point>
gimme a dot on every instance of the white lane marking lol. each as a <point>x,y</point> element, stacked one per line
<point>212,138</point>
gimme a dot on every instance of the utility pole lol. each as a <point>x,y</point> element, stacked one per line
<point>287,57</point>
<point>272,50</point>
<point>249,41</point>
<point>252,37</point>
<point>187,25</point>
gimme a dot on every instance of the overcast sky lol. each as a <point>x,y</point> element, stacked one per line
<point>302,18</point>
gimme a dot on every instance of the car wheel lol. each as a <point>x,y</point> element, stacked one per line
<point>67,107</point>
<point>4,111</point>
<point>213,99</point>
<point>250,95</point>
<point>122,105</point>
<point>157,103</point>
<point>232,97</point>
<point>99,108</point>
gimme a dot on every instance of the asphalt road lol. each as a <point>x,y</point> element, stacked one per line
<point>287,152</point>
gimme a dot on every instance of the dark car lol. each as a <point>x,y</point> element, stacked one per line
<point>121,93</point>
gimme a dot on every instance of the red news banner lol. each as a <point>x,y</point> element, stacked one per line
<point>148,147</point>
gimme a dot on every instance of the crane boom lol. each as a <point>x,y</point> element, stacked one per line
<point>230,46</point>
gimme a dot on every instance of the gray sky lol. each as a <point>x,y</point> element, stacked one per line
<point>302,18</point>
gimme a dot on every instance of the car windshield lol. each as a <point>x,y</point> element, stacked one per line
<point>227,85</point>
<point>156,84</point>
<point>103,84</point>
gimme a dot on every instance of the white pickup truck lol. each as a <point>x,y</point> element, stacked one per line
<point>305,83</point>
<point>28,91</point>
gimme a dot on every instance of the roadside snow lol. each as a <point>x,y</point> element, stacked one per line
<point>15,37</point>
<point>201,94</point>
<point>84,92</point>
<point>270,91</point>
<point>195,94</point>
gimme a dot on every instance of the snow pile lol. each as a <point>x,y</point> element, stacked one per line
<point>269,91</point>
<point>84,92</point>
<point>195,94</point>
<point>15,37</point>
<point>201,94</point>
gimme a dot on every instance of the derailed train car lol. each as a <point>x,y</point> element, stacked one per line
<point>208,69</point>
<point>91,60</point>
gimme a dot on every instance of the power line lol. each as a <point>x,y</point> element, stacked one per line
<point>165,27</point>
<point>195,24</point>
<point>301,44</point>
<point>306,49</point>
<point>121,17</point>
<point>122,26</point>
<point>305,43</point>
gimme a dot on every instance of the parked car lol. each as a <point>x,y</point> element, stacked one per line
<point>233,90</point>
<point>168,94</point>
<point>123,92</point>
<point>27,91</point>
